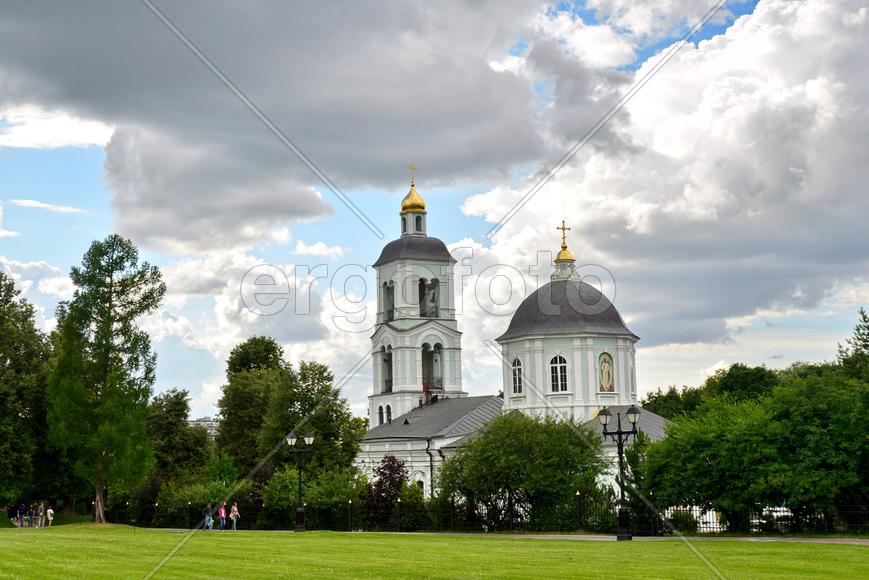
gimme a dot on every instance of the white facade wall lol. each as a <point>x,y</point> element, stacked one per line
<point>583,397</point>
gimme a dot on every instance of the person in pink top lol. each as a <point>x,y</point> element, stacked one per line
<point>221,515</point>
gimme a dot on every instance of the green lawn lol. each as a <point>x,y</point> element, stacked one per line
<point>121,552</point>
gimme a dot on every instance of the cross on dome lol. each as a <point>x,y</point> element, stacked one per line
<point>412,169</point>
<point>564,255</point>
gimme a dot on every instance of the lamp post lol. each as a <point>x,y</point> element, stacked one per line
<point>578,513</point>
<point>300,446</point>
<point>621,436</point>
<point>398,511</point>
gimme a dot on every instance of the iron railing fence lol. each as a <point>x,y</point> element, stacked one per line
<point>850,515</point>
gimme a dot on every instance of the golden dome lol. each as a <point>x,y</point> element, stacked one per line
<point>564,255</point>
<point>413,201</point>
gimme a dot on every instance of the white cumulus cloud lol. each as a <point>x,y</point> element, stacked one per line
<point>33,127</point>
<point>319,249</point>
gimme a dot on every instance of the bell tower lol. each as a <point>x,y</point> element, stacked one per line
<point>416,345</point>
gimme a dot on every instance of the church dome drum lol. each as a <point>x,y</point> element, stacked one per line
<point>566,307</point>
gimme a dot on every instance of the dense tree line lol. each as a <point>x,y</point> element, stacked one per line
<point>81,428</point>
<point>752,438</point>
<point>24,370</point>
<point>79,422</point>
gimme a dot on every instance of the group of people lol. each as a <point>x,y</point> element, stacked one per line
<point>38,516</point>
<point>209,512</point>
<point>24,516</point>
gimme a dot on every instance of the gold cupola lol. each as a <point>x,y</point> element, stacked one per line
<point>412,210</point>
<point>564,255</point>
<point>413,201</point>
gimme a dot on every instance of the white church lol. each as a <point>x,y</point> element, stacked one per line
<point>566,352</point>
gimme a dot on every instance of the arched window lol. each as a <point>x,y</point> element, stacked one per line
<point>517,377</point>
<point>389,300</point>
<point>387,369</point>
<point>403,225</point>
<point>388,414</point>
<point>427,293</point>
<point>380,415</point>
<point>558,374</point>
<point>419,223</point>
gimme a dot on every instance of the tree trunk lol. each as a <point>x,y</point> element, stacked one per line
<point>99,508</point>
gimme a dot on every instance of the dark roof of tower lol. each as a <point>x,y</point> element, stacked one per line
<point>566,307</point>
<point>414,248</point>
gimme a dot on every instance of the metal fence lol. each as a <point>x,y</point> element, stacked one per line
<point>850,515</point>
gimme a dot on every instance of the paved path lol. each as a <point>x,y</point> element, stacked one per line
<point>602,538</point>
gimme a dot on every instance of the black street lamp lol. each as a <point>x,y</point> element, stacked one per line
<point>300,446</point>
<point>578,512</point>
<point>398,512</point>
<point>620,437</point>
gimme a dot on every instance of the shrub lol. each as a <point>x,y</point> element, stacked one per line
<point>684,521</point>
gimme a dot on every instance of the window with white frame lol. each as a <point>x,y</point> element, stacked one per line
<point>558,374</point>
<point>517,377</point>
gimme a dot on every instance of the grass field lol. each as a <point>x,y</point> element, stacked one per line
<point>121,552</point>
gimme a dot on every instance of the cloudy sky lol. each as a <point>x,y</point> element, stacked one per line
<point>725,202</point>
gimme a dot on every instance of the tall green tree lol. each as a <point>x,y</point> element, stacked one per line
<point>253,368</point>
<point>178,446</point>
<point>718,458</point>
<point>523,468</point>
<point>24,355</point>
<point>257,352</point>
<point>859,342</point>
<point>105,369</point>
<point>819,416</point>
<point>243,406</point>
<point>741,382</point>
<point>307,401</point>
<point>853,356</point>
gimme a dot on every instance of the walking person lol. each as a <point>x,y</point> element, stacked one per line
<point>30,516</point>
<point>40,522</point>
<point>22,513</point>
<point>209,516</point>
<point>221,515</point>
<point>50,513</point>
<point>234,515</point>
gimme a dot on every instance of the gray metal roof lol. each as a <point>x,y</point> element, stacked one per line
<point>444,418</point>
<point>566,307</point>
<point>414,248</point>
<point>649,423</point>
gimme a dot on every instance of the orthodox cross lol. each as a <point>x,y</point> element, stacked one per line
<point>412,169</point>
<point>564,231</point>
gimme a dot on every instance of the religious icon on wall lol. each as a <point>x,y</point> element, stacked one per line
<point>607,380</point>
